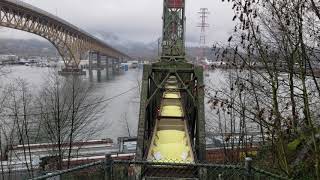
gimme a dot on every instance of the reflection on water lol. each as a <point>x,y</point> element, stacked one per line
<point>119,109</point>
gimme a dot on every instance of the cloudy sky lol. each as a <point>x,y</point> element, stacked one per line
<point>134,20</point>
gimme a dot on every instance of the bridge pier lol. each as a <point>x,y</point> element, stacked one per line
<point>98,60</point>
<point>113,67</point>
<point>99,75</point>
<point>107,67</point>
<point>72,71</point>
<point>117,65</point>
<point>90,66</point>
<point>99,66</point>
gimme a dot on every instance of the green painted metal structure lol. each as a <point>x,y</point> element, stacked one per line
<point>173,33</point>
<point>192,94</point>
<point>190,79</point>
<point>109,169</point>
<point>172,63</point>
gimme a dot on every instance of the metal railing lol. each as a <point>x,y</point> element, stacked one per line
<point>110,169</point>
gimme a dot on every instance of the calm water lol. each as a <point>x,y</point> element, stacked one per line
<point>119,110</point>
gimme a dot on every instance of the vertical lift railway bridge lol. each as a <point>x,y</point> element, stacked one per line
<point>171,127</point>
<point>171,123</point>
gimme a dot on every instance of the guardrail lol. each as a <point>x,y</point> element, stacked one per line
<point>110,169</point>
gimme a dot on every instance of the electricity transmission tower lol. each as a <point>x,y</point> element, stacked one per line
<point>203,25</point>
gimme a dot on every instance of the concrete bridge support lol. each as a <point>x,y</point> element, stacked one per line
<point>117,65</point>
<point>90,65</point>
<point>113,67</point>
<point>107,67</point>
<point>98,60</point>
<point>99,67</point>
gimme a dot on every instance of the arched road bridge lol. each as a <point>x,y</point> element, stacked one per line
<point>71,42</point>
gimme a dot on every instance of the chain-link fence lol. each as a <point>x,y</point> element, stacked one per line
<point>133,170</point>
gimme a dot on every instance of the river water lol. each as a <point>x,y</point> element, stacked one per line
<point>119,110</point>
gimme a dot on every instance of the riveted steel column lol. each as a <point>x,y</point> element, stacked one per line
<point>142,141</point>
<point>200,124</point>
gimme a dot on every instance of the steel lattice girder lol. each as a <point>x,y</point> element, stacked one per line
<point>191,77</point>
<point>173,40</point>
<point>70,41</point>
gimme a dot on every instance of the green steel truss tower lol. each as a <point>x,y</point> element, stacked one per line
<point>173,35</point>
<point>172,63</point>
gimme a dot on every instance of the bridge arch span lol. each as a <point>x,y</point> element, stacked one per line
<point>70,41</point>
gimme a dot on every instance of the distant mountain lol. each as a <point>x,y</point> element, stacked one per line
<point>143,50</point>
<point>34,47</point>
<point>30,47</point>
<point>133,49</point>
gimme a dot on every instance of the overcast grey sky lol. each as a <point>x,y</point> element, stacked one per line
<point>135,20</point>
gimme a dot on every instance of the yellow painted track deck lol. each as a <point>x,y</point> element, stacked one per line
<point>170,141</point>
